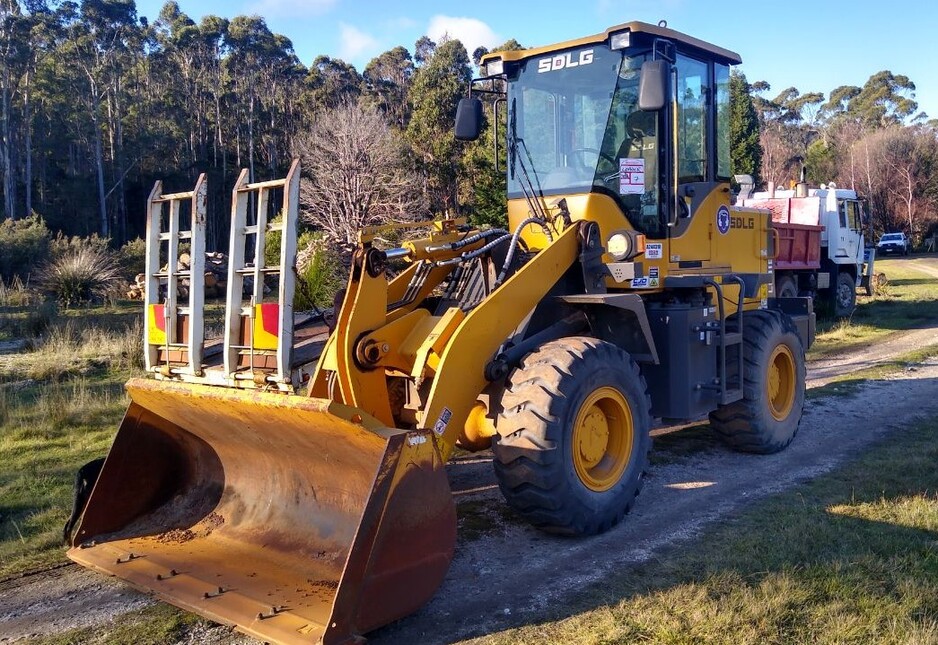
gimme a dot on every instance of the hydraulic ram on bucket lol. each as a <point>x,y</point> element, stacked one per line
<point>296,519</point>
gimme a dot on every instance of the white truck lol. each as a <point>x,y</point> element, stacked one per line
<point>820,249</point>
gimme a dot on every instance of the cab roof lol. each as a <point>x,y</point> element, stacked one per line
<point>718,54</point>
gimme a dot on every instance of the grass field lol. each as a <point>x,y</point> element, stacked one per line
<point>816,564</point>
<point>851,557</point>
<point>60,404</point>
<point>908,301</point>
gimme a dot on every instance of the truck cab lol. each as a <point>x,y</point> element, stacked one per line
<point>823,249</point>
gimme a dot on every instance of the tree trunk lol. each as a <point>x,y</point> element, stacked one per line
<point>103,228</point>
<point>251,137</point>
<point>120,224</point>
<point>5,136</point>
<point>28,126</point>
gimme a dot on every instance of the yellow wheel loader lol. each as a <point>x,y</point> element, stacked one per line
<point>290,480</point>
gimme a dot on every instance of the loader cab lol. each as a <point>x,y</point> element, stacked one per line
<point>574,123</point>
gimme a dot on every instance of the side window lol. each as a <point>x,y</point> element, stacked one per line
<point>692,92</point>
<point>842,210</point>
<point>853,216</point>
<point>722,77</point>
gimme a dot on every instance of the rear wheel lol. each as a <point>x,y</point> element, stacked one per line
<point>573,436</point>
<point>845,295</point>
<point>786,287</point>
<point>767,418</point>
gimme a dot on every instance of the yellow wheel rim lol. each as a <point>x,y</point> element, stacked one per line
<point>780,382</point>
<point>602,439</point>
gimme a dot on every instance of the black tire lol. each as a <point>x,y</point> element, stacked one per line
<point>844,295</point>
<point>786,287</point>
<point>549,465</point>
<point>766,420</point>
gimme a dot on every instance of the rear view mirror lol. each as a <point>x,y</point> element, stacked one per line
<point>468,119</point>
<point>653,85</point>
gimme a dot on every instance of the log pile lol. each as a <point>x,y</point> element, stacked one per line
<point>216,277</point>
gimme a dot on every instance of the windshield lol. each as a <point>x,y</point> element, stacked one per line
<point>892,237</point>
<point>574,126</point>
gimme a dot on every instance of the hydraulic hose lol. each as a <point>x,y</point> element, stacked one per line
<point>472,239</point>
<point>514,244</point>
<point>474,254</point>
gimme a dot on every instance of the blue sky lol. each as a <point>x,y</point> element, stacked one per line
<point>814,46</point>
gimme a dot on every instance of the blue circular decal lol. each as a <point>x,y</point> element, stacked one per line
<point>723,220</point>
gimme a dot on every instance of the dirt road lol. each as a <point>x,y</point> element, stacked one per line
<point>506,573</point>
<point>512,577</point>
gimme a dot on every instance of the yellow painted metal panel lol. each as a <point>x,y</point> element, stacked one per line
<point>460,375</point>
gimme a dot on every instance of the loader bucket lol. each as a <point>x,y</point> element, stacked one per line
<point>284,516</point>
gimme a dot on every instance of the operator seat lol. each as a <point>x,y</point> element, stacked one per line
<point>640,142</point>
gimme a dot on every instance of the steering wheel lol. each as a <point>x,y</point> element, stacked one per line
<point>637,125</point>
<point>598,153</point>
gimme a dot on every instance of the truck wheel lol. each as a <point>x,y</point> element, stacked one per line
<point>767,418</point>
<point>786,287</point>
<point>573,436</point>
<point>845,295</point>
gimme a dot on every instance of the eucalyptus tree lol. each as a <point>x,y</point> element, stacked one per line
<point>786,133</point>
<point>15,53</point>
<point>438,85</point>
<point>97,40</point>
<point>332,82</point>
<point>387,80</point>
<point>256,59</point>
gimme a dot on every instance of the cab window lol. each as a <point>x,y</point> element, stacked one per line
<point>692,88</point>
<point>722,78</point>
<point>853,216</point>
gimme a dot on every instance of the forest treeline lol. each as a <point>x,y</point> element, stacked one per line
<point>97,102</point>
<point>871,138</point>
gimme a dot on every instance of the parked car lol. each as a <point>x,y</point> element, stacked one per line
<point>893,243</point>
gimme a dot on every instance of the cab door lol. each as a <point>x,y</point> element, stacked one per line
<point>691,233</point>
<point>850,236</point>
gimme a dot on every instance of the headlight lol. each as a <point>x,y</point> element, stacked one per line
<point>619,40</point>
<point>625,245</point>
<point>619,246</point>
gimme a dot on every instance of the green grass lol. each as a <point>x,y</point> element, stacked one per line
<point>60,404</point>
<point>152,625</point>
<point>848,384</point>
<point>478,518</point>
<point>49,431</point>
<point>909,301</point>
<point>851,557</point>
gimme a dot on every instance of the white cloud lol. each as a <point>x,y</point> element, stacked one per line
<point>469,31</point>
<point>355,43</point>
<point>291,8</point>
<point>400,24</point>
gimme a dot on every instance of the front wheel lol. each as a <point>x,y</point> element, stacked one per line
<point>573,436</point>
<point>845,295</point>
<point>766,420</point>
